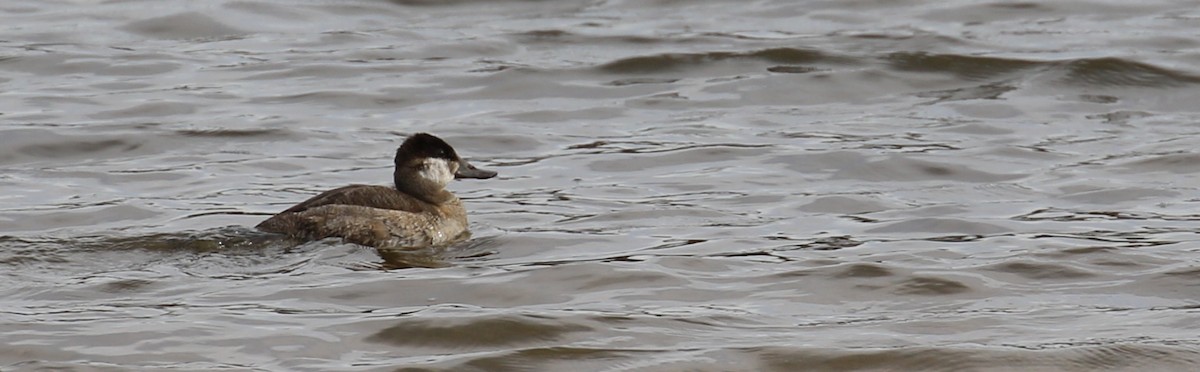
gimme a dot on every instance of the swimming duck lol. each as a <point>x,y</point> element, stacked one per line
<point>417,211</point>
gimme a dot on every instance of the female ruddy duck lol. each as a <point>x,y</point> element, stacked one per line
<point>417,212</point>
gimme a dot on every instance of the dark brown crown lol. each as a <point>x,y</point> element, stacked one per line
<point>425,145</point>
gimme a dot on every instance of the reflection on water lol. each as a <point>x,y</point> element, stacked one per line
<point>768,186</point>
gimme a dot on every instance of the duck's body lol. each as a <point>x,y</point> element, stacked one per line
<point>417,212</point>
<point>376,216</point>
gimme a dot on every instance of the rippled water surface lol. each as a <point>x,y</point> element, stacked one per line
<point>685,185</point>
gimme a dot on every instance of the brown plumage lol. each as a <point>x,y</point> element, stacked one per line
<point>416,212</point>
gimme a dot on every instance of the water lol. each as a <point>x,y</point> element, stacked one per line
<point>718,185</point>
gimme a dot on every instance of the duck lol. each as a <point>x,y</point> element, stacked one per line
<point>415,211</point>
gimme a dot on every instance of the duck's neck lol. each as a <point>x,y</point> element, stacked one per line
<point>412,183</point>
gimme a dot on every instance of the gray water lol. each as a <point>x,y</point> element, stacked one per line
<point>684,185</point>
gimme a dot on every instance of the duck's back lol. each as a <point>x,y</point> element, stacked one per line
<point>373,196</point>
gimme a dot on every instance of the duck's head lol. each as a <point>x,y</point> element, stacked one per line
<point>429,161</point>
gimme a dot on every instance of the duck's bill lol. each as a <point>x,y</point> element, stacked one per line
<point>466,170</point>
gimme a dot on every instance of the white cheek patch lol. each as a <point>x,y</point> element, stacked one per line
<point>437,170</point>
